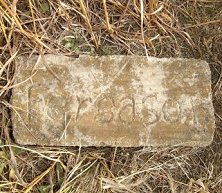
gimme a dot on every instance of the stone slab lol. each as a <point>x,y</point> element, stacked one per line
<point>112,101</point>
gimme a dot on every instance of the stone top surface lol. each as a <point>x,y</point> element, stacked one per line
<point>112,101</point>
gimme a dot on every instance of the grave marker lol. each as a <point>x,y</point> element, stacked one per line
<point>112,101</point>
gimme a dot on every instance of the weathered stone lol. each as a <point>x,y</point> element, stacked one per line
<point>112,101</point>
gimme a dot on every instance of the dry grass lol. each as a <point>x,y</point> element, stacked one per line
<point>191,28</point>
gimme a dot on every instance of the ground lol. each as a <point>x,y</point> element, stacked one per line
<point>190,28</point>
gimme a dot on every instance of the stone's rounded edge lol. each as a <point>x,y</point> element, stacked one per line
<point>24,143</point>
<point>13,114</point>
<point>211,109</point>
<point>55,56</point>
<point>213,126</point>
<point>68,60</point>
<point>188,144</point>
<point>27,63</point>
<point>151,58</point>
<point>210,139</point>
<point>193,143</point>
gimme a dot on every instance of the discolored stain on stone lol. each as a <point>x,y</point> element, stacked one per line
<point>112,101</point>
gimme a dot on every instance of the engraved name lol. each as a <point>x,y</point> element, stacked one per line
<point>107,109</point>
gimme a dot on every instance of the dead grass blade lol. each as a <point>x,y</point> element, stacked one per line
<point>15,20</point>
<point>109,28</point>
<point>141,24</point>
<point>38,178</point>
<point>86,17</point>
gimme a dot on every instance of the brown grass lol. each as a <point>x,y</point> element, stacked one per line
<point>191,28</point>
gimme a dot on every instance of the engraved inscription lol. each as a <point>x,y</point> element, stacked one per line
<point>171,110</point>
<point>53,104</point>
<point>82,103</point>
<point>104,109</point>
<point>150,115</point>
<point>201,119</point>
<point>35,100</point>
<point>126,112</point>
<point>56,107</point>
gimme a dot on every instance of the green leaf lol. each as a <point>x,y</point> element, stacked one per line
<point>45,6</point>
<point>3,163</point>
<point>44,189</point>
<point>17,150</point>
